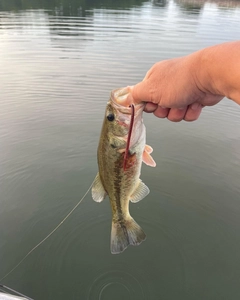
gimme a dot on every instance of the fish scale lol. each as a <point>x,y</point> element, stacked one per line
<point>122,149</point>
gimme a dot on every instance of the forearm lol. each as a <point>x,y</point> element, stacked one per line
<point>219,70</point>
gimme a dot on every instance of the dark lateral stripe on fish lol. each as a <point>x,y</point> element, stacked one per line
<point>120,150</point>
<point>117,187</point>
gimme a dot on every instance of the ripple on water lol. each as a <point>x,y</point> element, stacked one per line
<point>115,281</point>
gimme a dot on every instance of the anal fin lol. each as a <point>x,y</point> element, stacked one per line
<point>140,192</point>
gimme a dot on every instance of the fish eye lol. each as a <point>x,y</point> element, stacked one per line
<point>110,117</point>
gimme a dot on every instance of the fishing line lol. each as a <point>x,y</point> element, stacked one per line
<point>48,236</point>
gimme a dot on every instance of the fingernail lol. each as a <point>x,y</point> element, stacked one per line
<point>195,106</point>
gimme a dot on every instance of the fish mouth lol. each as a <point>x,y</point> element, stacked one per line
<point>133,110</point>
<point>121,94</point>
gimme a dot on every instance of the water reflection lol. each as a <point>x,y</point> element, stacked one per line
<point>159,3</point>
<point>65,27</point>
<point>195,6</point>
<point>59,61</point>
<point>81,18</point>
<point>82,8</point>
<point>192,7</point>
<point>77,8</point>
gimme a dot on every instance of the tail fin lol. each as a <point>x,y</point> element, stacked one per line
<point>124,234</point>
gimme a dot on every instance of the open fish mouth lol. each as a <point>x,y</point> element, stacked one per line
<point>132,110</point>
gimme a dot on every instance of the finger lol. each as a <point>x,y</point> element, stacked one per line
<point>141,92</point>
<point>123,96</point>
<point>158,111</point>
<point>150,107</point>
<point>161,112</point>
<point>127,100</point>
<point>177,114</point>
<point>136,94</point>
<point>193,112</point>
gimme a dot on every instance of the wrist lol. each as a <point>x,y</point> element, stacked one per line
<point>218,72</point>
<point>206,72</point>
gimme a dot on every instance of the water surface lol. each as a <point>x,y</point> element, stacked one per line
<point>59,60</point>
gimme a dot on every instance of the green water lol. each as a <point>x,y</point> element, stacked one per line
<point>59,60</point>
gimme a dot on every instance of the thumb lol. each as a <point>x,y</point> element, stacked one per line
<point>140,92</point>
<point>136,94</point>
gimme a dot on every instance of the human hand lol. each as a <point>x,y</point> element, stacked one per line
<point>173,89</point>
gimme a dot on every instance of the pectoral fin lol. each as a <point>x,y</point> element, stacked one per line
<point>148,149</point>
<point>147,158</point>
<point>141,192</point>
<point>98,191</point>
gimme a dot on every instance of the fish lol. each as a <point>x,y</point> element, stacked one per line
<point>121,150</point>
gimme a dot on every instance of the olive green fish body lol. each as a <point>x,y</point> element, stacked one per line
<point>121,185</point>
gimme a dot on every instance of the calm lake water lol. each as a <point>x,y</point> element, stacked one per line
<point>59,60</point>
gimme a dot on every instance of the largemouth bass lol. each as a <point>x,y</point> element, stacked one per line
<point>121,150</point>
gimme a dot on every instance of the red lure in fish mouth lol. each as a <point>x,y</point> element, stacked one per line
<point>129,137</point>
